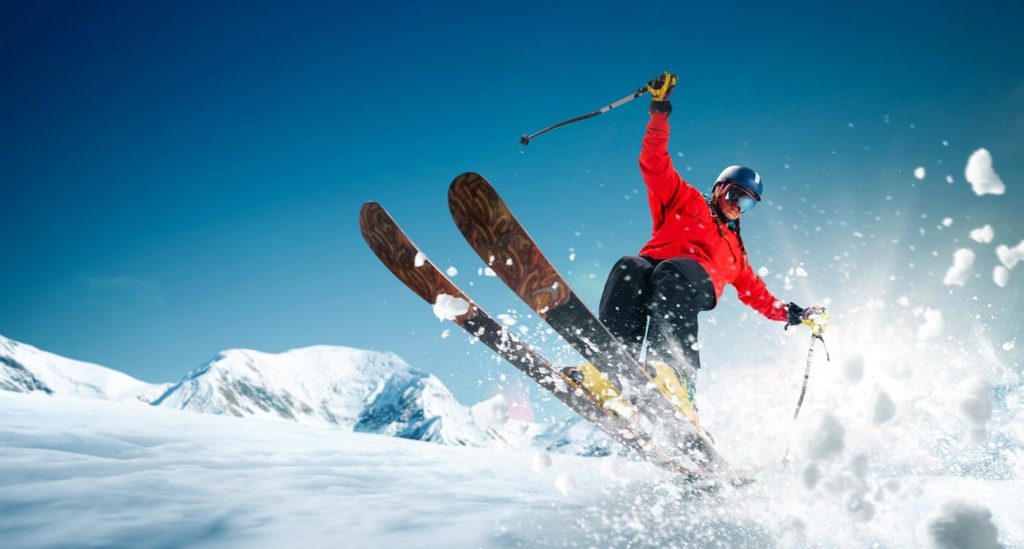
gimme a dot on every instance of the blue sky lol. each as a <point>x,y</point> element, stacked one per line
<point>182,178</point>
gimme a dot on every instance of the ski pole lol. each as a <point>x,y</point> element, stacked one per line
<point>525,140</point>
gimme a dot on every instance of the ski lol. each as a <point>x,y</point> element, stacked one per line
<point>504,245</point>
<point>398,253</point>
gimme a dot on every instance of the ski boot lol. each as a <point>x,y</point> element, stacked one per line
<point>598,388</point>
<point>679,391</point>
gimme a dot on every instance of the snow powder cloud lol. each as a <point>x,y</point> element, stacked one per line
<point>981,176</point>
<point>932,325</point>
<point>823,437</point>
<point>853,368</point>
<point>983,234</point>
<point>958,274</point>
<point>974,405</point>
<point>1010,256</point>
<point>883,408</point>
<point>959,524</point>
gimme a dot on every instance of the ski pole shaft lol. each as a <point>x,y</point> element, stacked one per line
<point>807,375</point>
<point>525,140</point>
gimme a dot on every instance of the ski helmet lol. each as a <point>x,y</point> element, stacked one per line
<point>744,177</point>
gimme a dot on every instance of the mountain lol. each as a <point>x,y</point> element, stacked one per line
<point>24,369</point>
<point>361,390</point>
<point>364,391</point>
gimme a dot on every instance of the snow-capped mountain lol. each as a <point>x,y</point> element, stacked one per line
<point>365,391</point>
<point>24,369</point>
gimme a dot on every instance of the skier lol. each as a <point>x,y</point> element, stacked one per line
<point>695,250</point>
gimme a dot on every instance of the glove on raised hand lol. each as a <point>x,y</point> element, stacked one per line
<point>660,89</point>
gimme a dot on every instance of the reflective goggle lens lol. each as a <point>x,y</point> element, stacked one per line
<point>741,198</point>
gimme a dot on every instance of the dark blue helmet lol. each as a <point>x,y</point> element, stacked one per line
<point>743,177</point>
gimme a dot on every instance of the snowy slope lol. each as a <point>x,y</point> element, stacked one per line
<point>75,472</point>
<point>24,368</point>
<point>322,385</point>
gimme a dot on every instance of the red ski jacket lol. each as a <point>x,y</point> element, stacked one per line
<point>685,227</point>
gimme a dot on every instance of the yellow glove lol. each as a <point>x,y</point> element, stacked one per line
<point>661,87</point>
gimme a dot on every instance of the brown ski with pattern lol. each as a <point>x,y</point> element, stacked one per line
<point>504,245</point>
<point>398,253</point>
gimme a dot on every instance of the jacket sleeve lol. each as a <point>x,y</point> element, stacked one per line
<point>664,185</point>
<point>753,292</point>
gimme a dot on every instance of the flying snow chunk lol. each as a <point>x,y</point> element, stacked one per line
<point>1009,345</point>
<point>452,271</point>
<point>932,325</point>
<point>983,235</point>
<point>883,408</point>
<point>958,274</point>
<point>981,176</point>
<point>919,172</point>
<point>489,272</point>
<point>959,524</point>
<point>420,259</point>
<point>1010,256</point>
<point>949,179</point>
<point>823,437</point>
<point>1001,276</point>
<point>800,272</point>
<point>448,307</point>
<point>762,271</point>
<point>564,483</point>
<point>506,319</point>
<point>947,222</point>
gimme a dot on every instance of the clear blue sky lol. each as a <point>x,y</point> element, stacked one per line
<point>179,178</point>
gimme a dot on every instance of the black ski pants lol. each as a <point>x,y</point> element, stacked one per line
<point>671,292</point>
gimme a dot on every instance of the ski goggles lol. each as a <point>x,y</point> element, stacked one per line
<point>740,197</point>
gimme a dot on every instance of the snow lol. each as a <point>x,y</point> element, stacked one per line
<point>420,259</point>
<point>883,408</point>
<point>1001,276</point>
<point>932,325</point>
<point>823,437</point>
<point>452,271</point>
<point>974,405</point>
<point>981,175</point>
<point>959,524</point>
<point>919,172</point>
<point>947,222</point>
<point>447,307</point>
<point>852,367</point>
<point>541,461</point>
<point>491,413</point>
<point>1010,256</point>
<point>960,271</point>
<point>983,235</point>
<point>1009,345</point>
<point>564,483</point>
<point>24,368</point>
<point>763,271</point>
